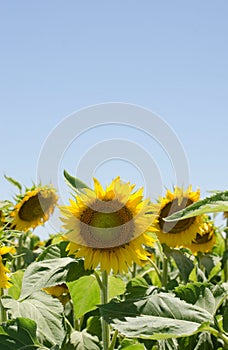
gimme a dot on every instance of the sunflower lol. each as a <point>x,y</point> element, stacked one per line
<point>109,227</point>
<point>205,239</point>
<point>177,233</point>
<point>60,291</point>
<point>34,208</point>
<point>4,278</point>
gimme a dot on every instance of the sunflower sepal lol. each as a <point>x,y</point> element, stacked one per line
<point>74,183</point>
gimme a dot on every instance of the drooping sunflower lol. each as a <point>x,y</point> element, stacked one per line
<point>177,233</point>
<point>34,208</point>
<point>205,239</point>
<point>108,227</point>
<point>4,278</point>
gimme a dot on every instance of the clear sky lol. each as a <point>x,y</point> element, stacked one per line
<point>170,57</point>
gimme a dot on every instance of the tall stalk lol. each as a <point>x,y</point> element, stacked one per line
<point>3,317</point>
<point>104,300</point>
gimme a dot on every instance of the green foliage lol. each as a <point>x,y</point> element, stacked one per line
<point>184,264</point>
<point>13,182</point>
<point>177,300</point>
<point>16,280</point>
<point>73,182</point>
<point>53,251</point>
<point>136,287</point>
<point>85,293</point>
<point>20,334</point>
<point>51,272</point>
<point>46,311</point>
<point>213,204</point>
<point>160,316</point>
<point>83,341</point>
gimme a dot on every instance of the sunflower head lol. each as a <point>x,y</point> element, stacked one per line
<point>205,239</point>
<point>34,208</point>
<point>177,233</point>
<point>107,226</point>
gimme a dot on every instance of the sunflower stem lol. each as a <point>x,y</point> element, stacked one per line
<point>98,279</point>
<point>134,270</point>
<point>113,342</point>
<point>3,317</point>
<point>153,268</point>
<point>165,272</point>
<point>104,300</point>
<point>226,249</point>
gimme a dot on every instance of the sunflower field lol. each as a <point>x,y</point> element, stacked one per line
<point>125,272</point>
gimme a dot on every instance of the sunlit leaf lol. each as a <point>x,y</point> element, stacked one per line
<point>54,251</point>
<point>136,287</point>
<point>184,264</point>
<point>16,280</point>
<point>73,182</point>
<point>49,273</point>
<point>159,316</point>
<point>213,204</point>
<point>13,182</point>
<point>191,291</point>
<point>84,341</point>
<point>45,310</point>
<point>116,287</point>
<point>85,294</point>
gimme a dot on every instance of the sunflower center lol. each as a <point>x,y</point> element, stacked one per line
<point>106,224</point>
<point>35,207</point>
<point>207,237</point>
<point>173,207</point>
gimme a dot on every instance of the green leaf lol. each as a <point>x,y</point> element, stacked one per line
<point>127,343</point>
<point>209,262</point>
<point>207,301</point>
<point>220,293</point>
<point>168,344</point>
<point>85,294</point>
<point>204,342</point>
<point>116,286</point>
<point>19,334</point>
<point>84,341</point>
<point>213,204</point>
<point>54,251</point>
<point>45,310</point>
<point>13,182</point>
<point>184,264</point>
<point>225,320</point>
<point>159,316</point>
<point>214,271</point>
<point>48,273</point>
<point>93,326</point>
<point>136,287</point>
<point>73,182</point>
<point>134,347</point>
<point>190,292</point>
<point>16,280</point>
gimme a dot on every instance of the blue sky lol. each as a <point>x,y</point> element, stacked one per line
<point>167,56</point>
